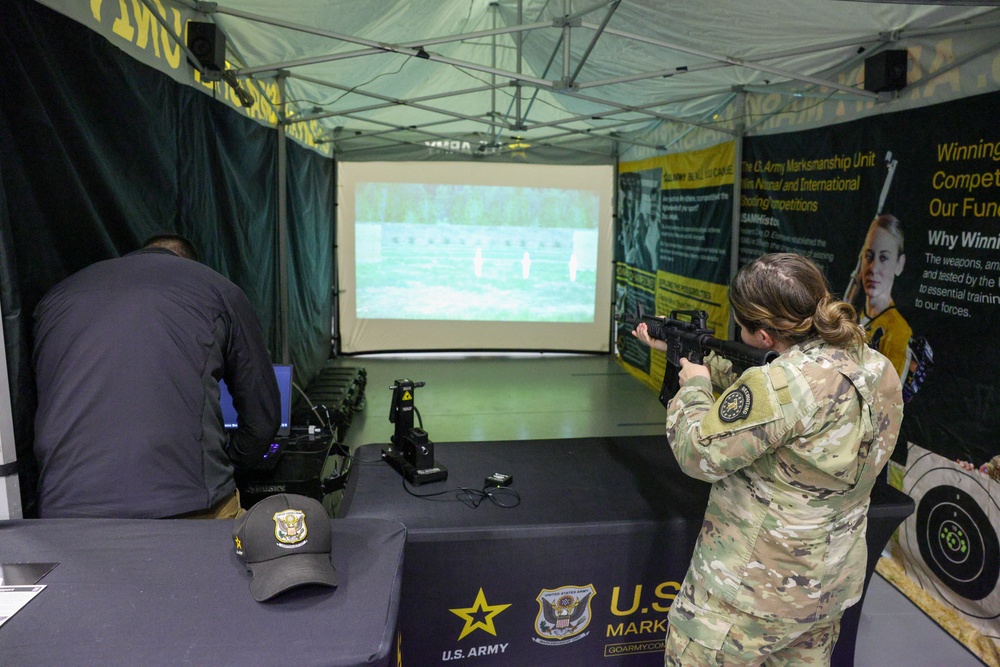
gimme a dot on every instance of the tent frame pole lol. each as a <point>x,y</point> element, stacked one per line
<point>10,489</point>
<point>734,242</point>
<point>283,232</point>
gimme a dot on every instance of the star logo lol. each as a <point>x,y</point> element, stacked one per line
<point>479,616</point>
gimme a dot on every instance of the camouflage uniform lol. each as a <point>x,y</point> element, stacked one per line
<point>793,450</point>
<point>723,636</point>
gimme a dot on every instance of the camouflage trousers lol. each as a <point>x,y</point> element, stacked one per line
<point>706,632</point>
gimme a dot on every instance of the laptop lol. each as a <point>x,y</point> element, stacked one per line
<point>230,420</point>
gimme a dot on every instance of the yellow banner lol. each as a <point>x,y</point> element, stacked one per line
<point>677,293</point>
<point>697,169</point>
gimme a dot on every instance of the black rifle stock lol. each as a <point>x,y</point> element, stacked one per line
<point>691,338</point>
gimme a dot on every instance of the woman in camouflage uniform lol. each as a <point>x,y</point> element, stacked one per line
<point>792,450</point>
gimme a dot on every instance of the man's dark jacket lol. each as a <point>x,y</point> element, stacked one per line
<point>128,357</point>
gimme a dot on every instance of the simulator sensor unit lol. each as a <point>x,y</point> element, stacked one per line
<point>411,452</point>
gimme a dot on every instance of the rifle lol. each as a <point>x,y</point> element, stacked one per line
<point>691,338</point>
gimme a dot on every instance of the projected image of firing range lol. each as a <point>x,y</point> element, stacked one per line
<point>483,253</point>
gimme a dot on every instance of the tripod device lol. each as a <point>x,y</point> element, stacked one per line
<point>411,452</point>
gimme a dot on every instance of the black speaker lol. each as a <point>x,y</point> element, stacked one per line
<point>208,45</point>
<point>886,71</point>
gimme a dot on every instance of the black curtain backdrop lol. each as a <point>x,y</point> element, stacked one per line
<point>98,152</point>
<point>311,195</point>
<point>229,206</point>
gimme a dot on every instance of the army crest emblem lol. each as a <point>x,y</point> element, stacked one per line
<point>563,613</point>
<point>290,527</point>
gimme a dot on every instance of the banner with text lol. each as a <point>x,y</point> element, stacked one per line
<point>930,267</point>
<point>673,245</point>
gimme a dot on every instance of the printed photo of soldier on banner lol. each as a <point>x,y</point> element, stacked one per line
<point>636,247</point>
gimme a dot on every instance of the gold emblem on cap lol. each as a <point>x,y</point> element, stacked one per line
<point>290,526</point>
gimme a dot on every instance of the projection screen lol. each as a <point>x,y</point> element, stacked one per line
<point>469,256</point>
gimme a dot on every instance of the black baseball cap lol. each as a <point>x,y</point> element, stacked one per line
<point>285,542</point>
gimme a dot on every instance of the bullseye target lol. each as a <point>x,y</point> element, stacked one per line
<point>954,544</point>
<point>950,542</point>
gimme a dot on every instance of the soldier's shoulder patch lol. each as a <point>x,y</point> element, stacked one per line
<point>747,404</point>
<point>736,404</point>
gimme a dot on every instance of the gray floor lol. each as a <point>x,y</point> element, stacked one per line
<point>543,396</point>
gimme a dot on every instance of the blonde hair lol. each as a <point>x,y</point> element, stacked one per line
<point>787,295</point>
<point>891,224</point>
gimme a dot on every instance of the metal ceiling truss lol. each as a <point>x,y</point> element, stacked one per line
<point>573,126</point>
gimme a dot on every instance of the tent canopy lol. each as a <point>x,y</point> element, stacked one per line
<point>591,78</point>
<point>552,80</point>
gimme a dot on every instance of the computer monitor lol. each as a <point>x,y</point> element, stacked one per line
<point>283,374</point>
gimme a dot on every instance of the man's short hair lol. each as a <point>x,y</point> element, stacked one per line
<point>175,243</point>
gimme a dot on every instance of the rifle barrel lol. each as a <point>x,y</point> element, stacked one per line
<point>741,354</point>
